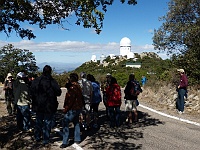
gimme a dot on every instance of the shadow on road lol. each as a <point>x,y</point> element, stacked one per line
<point>103,137</point>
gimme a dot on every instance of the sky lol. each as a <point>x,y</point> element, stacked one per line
<point>77,45</point>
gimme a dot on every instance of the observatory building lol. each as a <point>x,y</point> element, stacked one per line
<point>125,48</point>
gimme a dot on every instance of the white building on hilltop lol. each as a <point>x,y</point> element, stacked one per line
<point>94,58</point>
<point>125,46</point>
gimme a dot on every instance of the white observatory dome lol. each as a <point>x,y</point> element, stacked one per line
<point>94,58</point>
<point>125,42</point>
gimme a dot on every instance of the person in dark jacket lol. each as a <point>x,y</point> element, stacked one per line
<point>44,92</point>
<point>130,102</point>
<point>182,89</point>
<point>73,104</point>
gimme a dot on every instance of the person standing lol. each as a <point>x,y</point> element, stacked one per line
<point>104,85</point>
<point>143,80</point>
<point>181,89</point>
<point>130,102</point>
<point>86,87</point>
<point>23,101</point>
<point>113,94</point>
<point>9,97</point>
<point>72,108</point>
<point>44,92</point>
<point>96,99</point>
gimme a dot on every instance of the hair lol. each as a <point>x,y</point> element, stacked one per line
<point>113,80</point>
<point>47,70</point>
<point>73,77</point>
<point>91,78</point>
<point>131,76</point>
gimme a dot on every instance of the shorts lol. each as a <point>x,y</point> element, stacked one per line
<point>130,105</point>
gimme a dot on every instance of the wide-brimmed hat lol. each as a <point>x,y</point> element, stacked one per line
<point>181,70</point>
<point>9,75</point>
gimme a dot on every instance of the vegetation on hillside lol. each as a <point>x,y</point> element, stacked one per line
<point>153,67</point>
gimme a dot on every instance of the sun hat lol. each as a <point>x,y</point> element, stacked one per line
<point>8,75</point>
<point>181,70</point>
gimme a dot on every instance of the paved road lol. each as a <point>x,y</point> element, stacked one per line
<point>154,132</point>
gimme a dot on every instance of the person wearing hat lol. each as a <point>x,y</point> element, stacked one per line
<point>181,89</point>
<point>9,97</point>
<point>22,99</point>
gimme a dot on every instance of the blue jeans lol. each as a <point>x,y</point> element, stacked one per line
<point>43,126</point>
<point>23,117</point>
<point>114,113</point>
<point>180,100</point>
<point>71,115</point>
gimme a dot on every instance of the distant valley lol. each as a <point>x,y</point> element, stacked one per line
<point>59,67</point>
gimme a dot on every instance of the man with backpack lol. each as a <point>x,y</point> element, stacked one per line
<point>44,92</point>
<point>132,90</point>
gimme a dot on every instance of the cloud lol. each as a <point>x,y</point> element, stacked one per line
<point>77,47</point>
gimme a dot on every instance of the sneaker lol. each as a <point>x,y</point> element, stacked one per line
<point>180,112</point>
<point>63,145</point>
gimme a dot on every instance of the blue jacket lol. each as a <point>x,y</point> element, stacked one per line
<point>96,95</point>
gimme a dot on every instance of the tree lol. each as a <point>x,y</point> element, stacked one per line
<point>180,35</point>
<point>14,60</point>
<point>89,13</point>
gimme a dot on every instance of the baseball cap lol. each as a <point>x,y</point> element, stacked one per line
<point>21,75</point>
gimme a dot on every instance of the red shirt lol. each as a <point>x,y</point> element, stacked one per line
<point>183,81</point>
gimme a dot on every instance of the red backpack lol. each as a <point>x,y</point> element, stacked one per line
<point>113,95</point>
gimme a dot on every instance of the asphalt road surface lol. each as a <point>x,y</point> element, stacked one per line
<point>153,132</point>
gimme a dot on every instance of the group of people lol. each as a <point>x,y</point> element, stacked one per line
<point>81,102</point>
<point>39,94</point>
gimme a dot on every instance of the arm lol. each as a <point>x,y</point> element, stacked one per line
<point>69,99</point>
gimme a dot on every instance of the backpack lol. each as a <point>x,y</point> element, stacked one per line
<point>135,88</point>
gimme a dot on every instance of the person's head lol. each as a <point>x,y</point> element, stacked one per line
<point>132,76</point>
<point>22,76</point>
<point>47,70</point>
<point>9,76</point>
<point>73,77</point>
<point>108,77</point>
<point>83,75</point>
<point>91,78</point>
<point>181,71</point>
<point>113,80</point>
